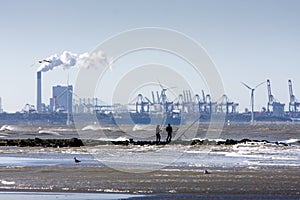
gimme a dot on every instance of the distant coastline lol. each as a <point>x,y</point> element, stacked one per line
<point>125,118</point>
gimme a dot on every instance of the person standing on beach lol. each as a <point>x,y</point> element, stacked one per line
<point>169,130</point>
<point>158,130</point>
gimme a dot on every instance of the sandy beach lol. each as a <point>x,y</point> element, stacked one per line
<point>263,182</point>
<point>253,170</point>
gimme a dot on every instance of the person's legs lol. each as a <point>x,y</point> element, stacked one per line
<point>168,138</point>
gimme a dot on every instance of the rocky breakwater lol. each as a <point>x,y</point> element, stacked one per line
<point>37,142</point>
<point>233,142</point>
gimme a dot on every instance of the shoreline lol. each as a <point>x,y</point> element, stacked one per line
<point>265,166</point>
<point>32,195</point>
<point>96,196</point>
<point>231,181</point>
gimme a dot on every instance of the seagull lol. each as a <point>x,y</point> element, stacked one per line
<point>41,61</point>
<point>76,161</point>
<point>206,172</point>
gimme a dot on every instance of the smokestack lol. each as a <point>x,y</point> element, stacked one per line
<point>68,60</point>
<point>39,92</point>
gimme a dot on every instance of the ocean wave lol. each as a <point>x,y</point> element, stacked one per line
<point>254,144</point>
<point>8,128</point>
<point>95,128</point>
<point>290,141</point>
<point>113,139</point>
<point>14,128</point>
<point>140,127</point>
<point>48,132</point>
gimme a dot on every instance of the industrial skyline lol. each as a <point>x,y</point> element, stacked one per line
<point>249,41</point>
<point>64,100</point>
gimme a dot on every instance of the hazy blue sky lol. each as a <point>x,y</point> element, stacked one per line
<point>249,41</point>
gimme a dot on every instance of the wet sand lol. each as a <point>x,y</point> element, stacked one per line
<point>263,182</point>
<point>63,196</point>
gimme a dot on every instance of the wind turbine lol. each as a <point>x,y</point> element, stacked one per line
<point>163,95</point>
<point>252,98</point>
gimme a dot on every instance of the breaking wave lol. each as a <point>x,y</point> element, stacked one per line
<point>140,127</point>
<point>48,132</point>
<point>95,128</point>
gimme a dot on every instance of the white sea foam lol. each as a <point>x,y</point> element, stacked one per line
<point>95,128</point>
<point>48,132</point>
<point>6,128</point>
<point>115,191</point>
<point>210,139</point>
<point>15,128</point>
<point>290,141</point>
<point>140,127</point>
<point>252,144</point>
<point>111,139</point>
<point>5,182</point>
<point>265,154</point>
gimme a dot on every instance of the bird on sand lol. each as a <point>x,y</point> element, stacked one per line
<point>76,161</point>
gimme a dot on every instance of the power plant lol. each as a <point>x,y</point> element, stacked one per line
<point>62,99</point>
<point>39,92</point>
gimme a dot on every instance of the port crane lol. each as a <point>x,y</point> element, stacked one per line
<point>142,105</point>
<point>270,96</point>
<point>227,106</point>
<point>293,104</point>
<point>274,107</point>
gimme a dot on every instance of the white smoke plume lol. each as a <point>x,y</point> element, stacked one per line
<point>68,60</point>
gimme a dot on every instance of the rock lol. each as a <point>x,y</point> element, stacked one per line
<point>197,141</point>
<point>74,142</point>
<point>230,142</point>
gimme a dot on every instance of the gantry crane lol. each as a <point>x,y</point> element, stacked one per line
<point>277,107</point>
<point>270,96</point>
<point>293,104</point>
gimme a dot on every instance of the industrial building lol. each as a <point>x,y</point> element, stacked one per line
<point>62,99</point>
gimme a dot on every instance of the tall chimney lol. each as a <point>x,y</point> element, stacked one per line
<point>39,92</point>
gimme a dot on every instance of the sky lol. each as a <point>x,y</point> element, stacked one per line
<point>248,41</point>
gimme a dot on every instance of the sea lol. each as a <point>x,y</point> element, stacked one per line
<point>265,167</point>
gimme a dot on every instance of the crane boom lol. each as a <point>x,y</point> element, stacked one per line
<point>270,96</point>
<point>203,97</point>
<point>292,96</point>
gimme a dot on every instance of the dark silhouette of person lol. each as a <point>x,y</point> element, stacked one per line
<point>158,130</point>
<point>169,130</point>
